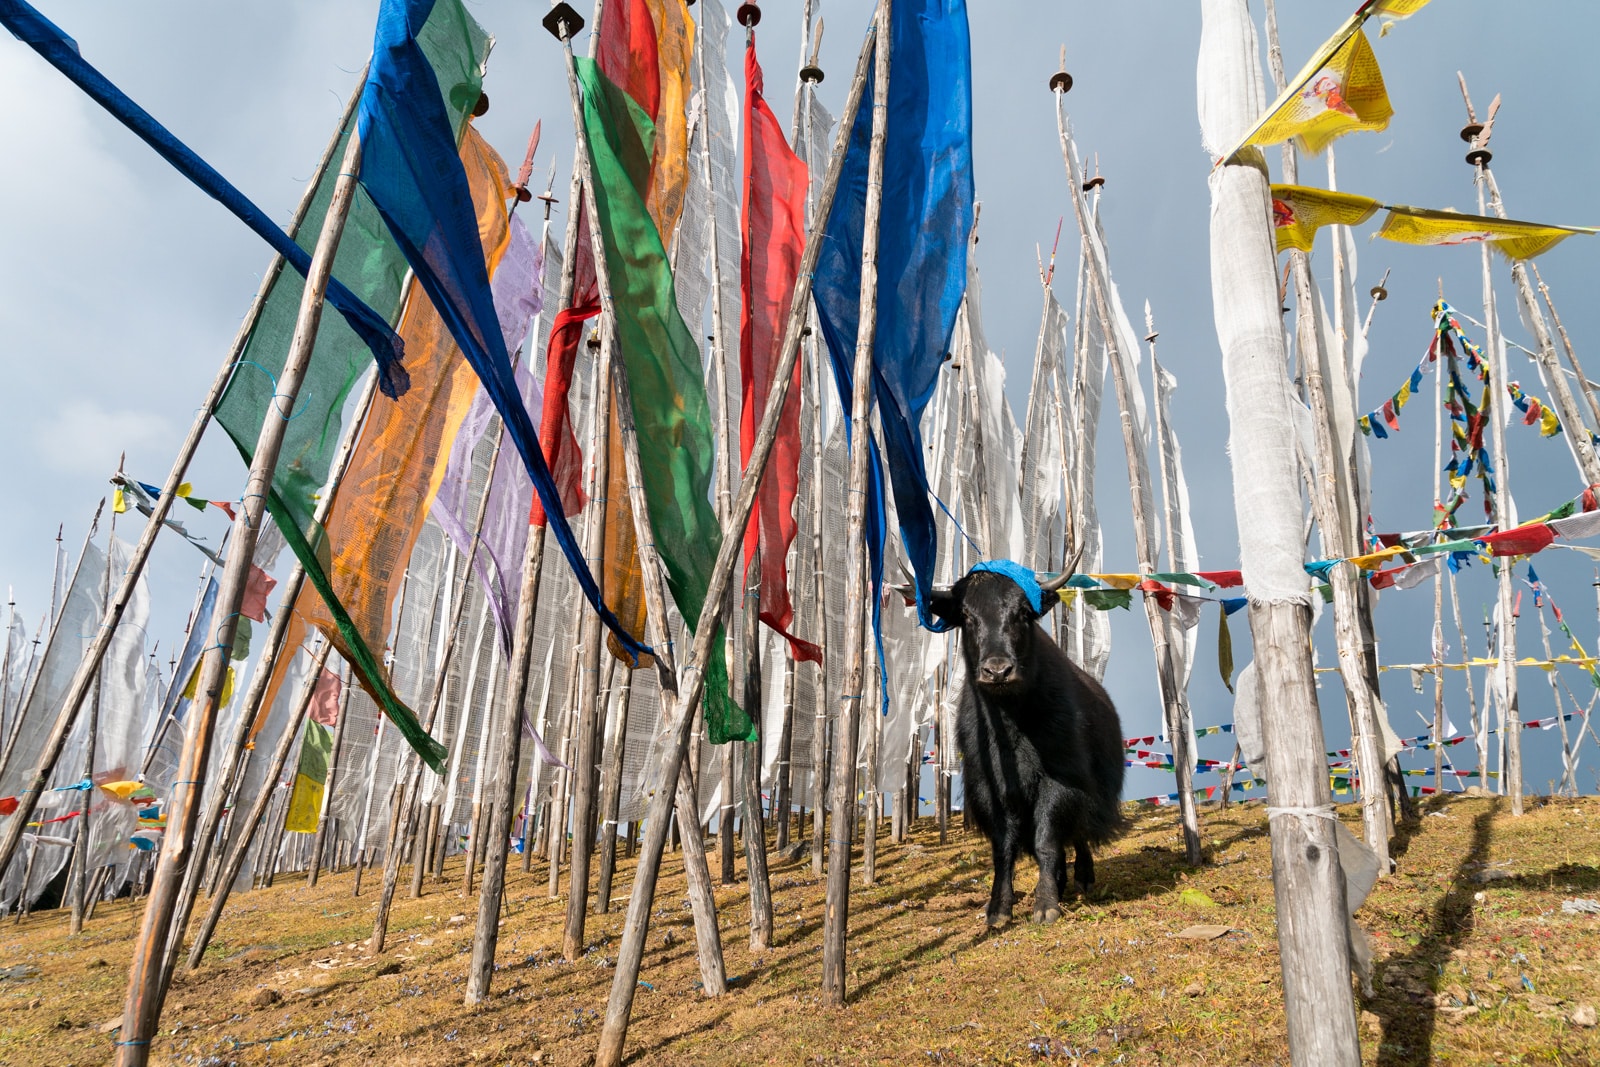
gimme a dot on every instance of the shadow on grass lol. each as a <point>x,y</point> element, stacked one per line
<point>1410,1020</point>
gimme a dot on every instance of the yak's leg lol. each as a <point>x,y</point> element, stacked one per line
<point>1049,850</point>
<point>1002,897</point>
<point>1083,868</point>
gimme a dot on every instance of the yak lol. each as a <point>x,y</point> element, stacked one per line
<point>1040,742</point>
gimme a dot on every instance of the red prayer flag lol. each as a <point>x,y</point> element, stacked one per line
<point>324,707</point>
<point>256,591</point>
<point>1222,579</point>
<point>1519,541</point>
<point>775,186</point>
<point>1389,415</point>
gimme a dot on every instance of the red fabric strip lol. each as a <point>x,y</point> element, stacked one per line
<point>1519,541</point>
<point>775,184</point>
<point>1222,579</point>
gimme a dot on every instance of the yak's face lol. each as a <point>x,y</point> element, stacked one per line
<point>998,628</point>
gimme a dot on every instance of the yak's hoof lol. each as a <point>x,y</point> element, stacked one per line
<point>1087,889</point>
<point>1045,916</point>
<point>997,919</point>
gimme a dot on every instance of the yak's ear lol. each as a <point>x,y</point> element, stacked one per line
<point>1046,605</point>
<point>944,603</point>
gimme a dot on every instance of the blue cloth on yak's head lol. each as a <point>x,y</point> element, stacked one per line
<point>1023,576</point>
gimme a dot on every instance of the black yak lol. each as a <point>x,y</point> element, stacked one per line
<point>1040,742</point>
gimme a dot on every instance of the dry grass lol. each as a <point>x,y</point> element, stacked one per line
<point>1108,984</point>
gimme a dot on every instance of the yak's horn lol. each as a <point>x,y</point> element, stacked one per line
<point>1053,585</point>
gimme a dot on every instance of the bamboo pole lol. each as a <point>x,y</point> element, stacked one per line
<point>332,783</point>
<point>1175,713</point>
<point>145,990</point>
<point>1566,343</point>
<point>697,875</point>
<point>486,738</point>
<point>1438,582</point>
<point>1333,501</point>
<point>1309,890</point>
<point>837,906</point>
<point>782,799</point>
<point>681,706</point>
<point>89,667</point>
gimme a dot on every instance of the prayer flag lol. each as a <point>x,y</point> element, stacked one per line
<point>775,185</point>
<point>311,779</point>
<point>1299,212</point>
<point>670,408</point>
<point>1516,240</point>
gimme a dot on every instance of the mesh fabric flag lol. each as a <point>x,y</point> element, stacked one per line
<point>1516,240</point>
<point>311,775</point>
<point>670,407</point>
<point>774,240</point>
<point>1299,212</point>
<point>922,257</point>
<point>412,171</point>
<point>1339,91</point>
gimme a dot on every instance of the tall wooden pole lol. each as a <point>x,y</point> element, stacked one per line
<point>1176,714</point>
<point>1511,737</point>
<point>611,789</point>
<point>145,991</point>
<point>1333,502</point>
<point>680,709</point>
<point>1584,384</point>
<point>702,903</point>
<point>332,783</point>
<point>1308,882</point>
<point>857,599</point>
<point>80,850</point>
<point>755,837</point>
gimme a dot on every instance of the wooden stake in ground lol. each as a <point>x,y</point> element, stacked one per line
<point>145,991</point>
<point>857,595</point>
<point>1176,714</point>
<point>80,850</point>
<point>680,707</point>
<point>1308,882</point>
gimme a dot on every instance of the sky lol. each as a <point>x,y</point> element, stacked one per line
<point>121,285</point>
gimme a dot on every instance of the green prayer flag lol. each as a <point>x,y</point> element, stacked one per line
<point>1106,599</point>
<point>372,266</point>
<point>670,408</point>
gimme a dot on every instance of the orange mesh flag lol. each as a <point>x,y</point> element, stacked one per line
<point>1339,91</point>
<point>774,239</point>
<point>1298,212</point>
<point>382,500</point>
<point>1517,240</point>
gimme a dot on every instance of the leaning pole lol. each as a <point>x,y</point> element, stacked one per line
<point>1307,881</point>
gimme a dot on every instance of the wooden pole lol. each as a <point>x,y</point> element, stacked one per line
<point>1176,715</point>
<point>502,797</point>
<point>1313,936</point>
<point>145,987</point>
<point>782,798</point>
<point>857,601</point>
<point>755,837</point>
<point>1584,384</point>
<point>681,706</point>
<point>486,742</point>
<point>1333,501</point>
<point>80,850</point>
<point>611,790</point>
<point>1511,737</point>
<point>332,783</point>
<point>702,903</point>
<point>258,808</point>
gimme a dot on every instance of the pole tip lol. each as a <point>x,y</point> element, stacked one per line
<point>1470,131</point>
<point>563,13</point>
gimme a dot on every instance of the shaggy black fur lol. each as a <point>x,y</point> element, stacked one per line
<point>1040,742</point>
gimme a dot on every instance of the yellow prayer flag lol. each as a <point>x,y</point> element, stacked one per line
<point>1340,91</point>
<point>1516,240</point>
<point>1395,9</point>
<point>1118,581</point>
<point>1372,561</point>
<point>185,489</point>
<point>305,806</point>
<point>119,502</point>
<point>1298,212</point>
